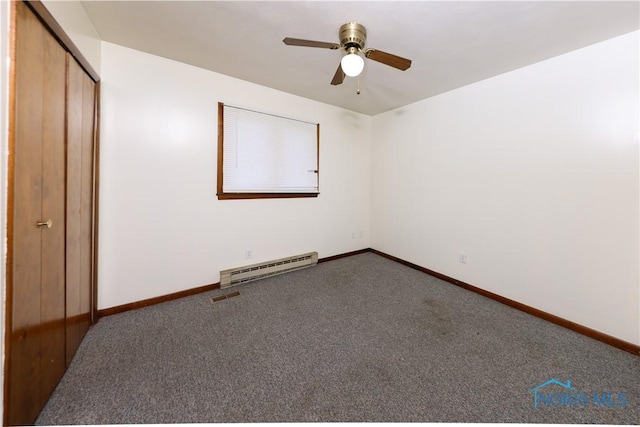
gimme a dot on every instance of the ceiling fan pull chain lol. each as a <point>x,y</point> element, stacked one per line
<point>358,88</point>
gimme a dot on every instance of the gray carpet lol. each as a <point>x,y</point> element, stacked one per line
<point>357,339</point>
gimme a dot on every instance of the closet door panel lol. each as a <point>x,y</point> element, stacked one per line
<point>23,404</point>
<point>74,203</point>
<point>79,204</point>
<point>51,202</point>
<point>53,361</point>
<point>37,258</point>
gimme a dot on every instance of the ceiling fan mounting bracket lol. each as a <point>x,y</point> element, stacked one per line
<point>352,34</point>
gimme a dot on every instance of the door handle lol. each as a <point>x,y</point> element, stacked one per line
<point>48,223</point>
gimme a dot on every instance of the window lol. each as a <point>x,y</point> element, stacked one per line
<point>265,156</point>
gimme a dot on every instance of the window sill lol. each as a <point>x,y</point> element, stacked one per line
<point>239,196</point>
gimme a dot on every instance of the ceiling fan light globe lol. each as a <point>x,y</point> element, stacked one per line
<point>352,64</point>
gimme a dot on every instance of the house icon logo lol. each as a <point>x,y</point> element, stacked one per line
<point>554,393</point>
<point>537,390</point>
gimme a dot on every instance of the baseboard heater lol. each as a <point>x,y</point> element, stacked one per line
<point>249,273</point>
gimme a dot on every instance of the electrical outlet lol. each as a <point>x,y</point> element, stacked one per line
<point>248,254</point>
<point>462,257</point>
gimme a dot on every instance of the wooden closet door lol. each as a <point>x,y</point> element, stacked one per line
<point>36,301</point>
<point>80,143</point>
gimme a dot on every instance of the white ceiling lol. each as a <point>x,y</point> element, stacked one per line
<point>451,43</point>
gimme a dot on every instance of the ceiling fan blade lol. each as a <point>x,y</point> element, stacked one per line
<point>388,59</point>
<point>338,78</point>
<point>309,43</point>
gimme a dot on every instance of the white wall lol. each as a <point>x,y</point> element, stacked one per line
<point>162,229</point>
<point>534,175</point>
<point>76,23</point>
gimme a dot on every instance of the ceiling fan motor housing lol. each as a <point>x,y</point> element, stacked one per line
<point>352,34</point>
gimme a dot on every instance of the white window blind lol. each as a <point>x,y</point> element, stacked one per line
<point>264,153</point>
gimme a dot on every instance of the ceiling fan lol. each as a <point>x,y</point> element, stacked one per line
<point>352,40</point>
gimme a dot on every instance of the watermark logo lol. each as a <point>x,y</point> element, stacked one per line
<point>555,393</point>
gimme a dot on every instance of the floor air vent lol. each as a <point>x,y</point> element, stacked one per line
<point>248,273</point>
<point>225,296</point>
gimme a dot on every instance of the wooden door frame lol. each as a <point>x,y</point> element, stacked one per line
<point>58,32</point>
<point>45,17</point>
<point>95,203</point>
